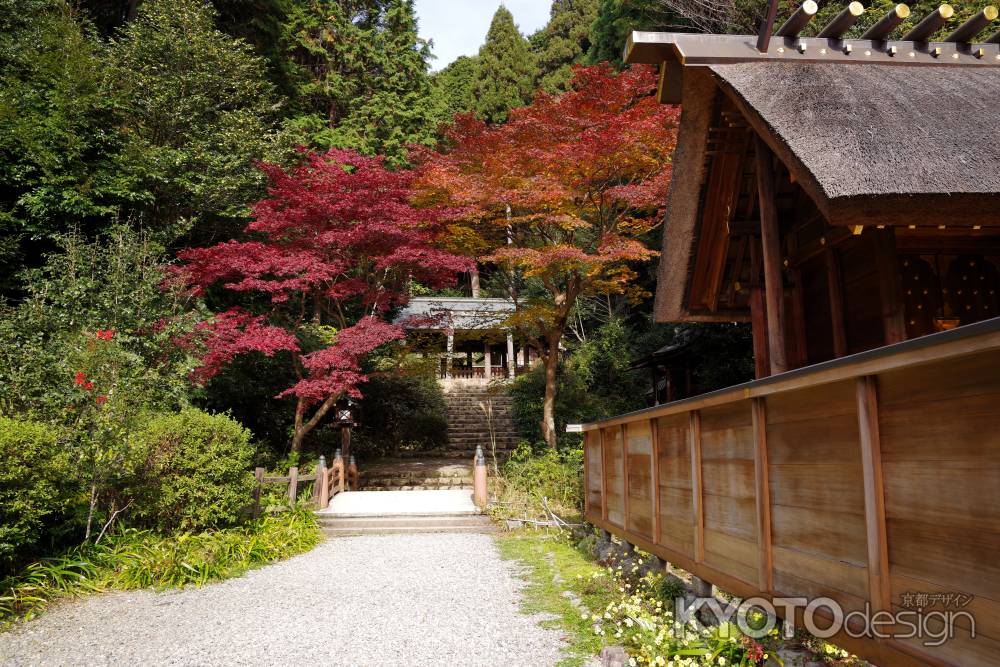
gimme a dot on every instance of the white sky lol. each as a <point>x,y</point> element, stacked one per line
<point>458,27</point>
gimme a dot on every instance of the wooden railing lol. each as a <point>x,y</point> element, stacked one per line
<point>864,480</point>
<point>328,482</point>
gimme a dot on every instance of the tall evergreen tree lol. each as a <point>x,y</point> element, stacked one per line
<point>454,87</point>
<point>361,76</point>
<point>506,70</point>
<point>563,42</point>
<point>196,111</point>
<point>617,18</point>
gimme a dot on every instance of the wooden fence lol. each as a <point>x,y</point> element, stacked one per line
<point>866,480</point>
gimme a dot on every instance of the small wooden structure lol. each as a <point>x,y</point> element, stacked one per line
<point>669,369</point>
<point>844,197</point>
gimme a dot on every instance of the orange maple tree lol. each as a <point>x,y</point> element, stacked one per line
<point>558,198</point>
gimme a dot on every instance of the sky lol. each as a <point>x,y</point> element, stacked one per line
<point>458,27</point>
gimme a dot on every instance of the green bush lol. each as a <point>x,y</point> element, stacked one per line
<point>196,473</point>
<point>526,478</point>
<point>33,470</point>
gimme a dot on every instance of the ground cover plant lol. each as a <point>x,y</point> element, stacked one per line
<point>601,606</point>
<point>132,559</point>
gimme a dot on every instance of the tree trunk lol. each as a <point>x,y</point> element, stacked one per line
<point>303,427</point>
<point>549,404</point>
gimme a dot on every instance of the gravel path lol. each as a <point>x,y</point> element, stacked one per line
<point>436,599</point>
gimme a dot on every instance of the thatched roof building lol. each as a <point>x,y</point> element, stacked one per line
<point>882,168</point>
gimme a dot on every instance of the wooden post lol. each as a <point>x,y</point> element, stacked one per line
<point>625,489</point>
<point>258,474</point>
<point>654,435</point>
<point>293,486</point>
<point>835,287</point>
<point>696,488</point>
<point>480,492</point>
<point>451,354</point>
<point>890,286</point>
<point>511,357</point>
<point>324,484</point>
<point>774,292</point>
<point>871,465</point>
<point>758,323</point>
<point>345,442</point>
<point>762,489</point>
<point>352,474</point>
<point>487,361</point>
<point>317,484</point>
<point>604,477</point>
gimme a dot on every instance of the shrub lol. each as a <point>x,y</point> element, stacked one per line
<point>33,470</point>
<point>526,478</point>
<point>197,471</point>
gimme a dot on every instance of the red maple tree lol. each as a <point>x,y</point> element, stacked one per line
<point>558,198</point>
<point>333,249</point>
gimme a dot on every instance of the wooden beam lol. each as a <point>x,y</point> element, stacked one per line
<point>890,286</point>
<point>871,464</point>
<point>696,486</point>
<point>762,490</point>
<point>774,292</point>
<point>835,288</point>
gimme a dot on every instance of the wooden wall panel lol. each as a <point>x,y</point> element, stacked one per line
<point>614,466</point>
<point>594,468</point>
<point>817,494</point>
<point>728,490</point>
<point>676,508</point>
<point>940,429</point>
<point>640,478</point>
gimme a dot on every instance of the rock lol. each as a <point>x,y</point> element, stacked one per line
<point>793,657</point>
<point>614,656</point>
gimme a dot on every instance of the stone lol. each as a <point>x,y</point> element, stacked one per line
<point>613,656</point>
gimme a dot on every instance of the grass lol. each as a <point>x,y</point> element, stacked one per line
<point>554,566</point>
<point>135,559</point>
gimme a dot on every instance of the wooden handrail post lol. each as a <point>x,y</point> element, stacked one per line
<point>258,474</point>
<point>337,470</point>
<point>323,483</point>
<point>352,474</point>
<point>479,488</point>
<point>293,486</point>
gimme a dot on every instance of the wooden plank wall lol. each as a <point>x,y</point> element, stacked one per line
<point>859,489</point>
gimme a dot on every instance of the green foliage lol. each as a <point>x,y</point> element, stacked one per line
<point>400,412</point>
<point>111,283</point>
<point>563,42</point>
<point>506,70</point>
<point>196,471</point>
<point>134,559</point>
<point>526,478</point>
<point>34,469</point>
<point>359,71</point>
<point>616,19</point>
<point>454,87</point>
<point>197,112</point>
<point>57,159</point>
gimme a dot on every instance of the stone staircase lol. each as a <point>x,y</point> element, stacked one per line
<point>468,425</point>
<point>437,474</point>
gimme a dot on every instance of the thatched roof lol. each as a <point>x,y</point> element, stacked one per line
<point>458,313</point>
<point>878,130</point>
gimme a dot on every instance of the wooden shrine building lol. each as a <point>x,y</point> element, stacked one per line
<point>843,196</point>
